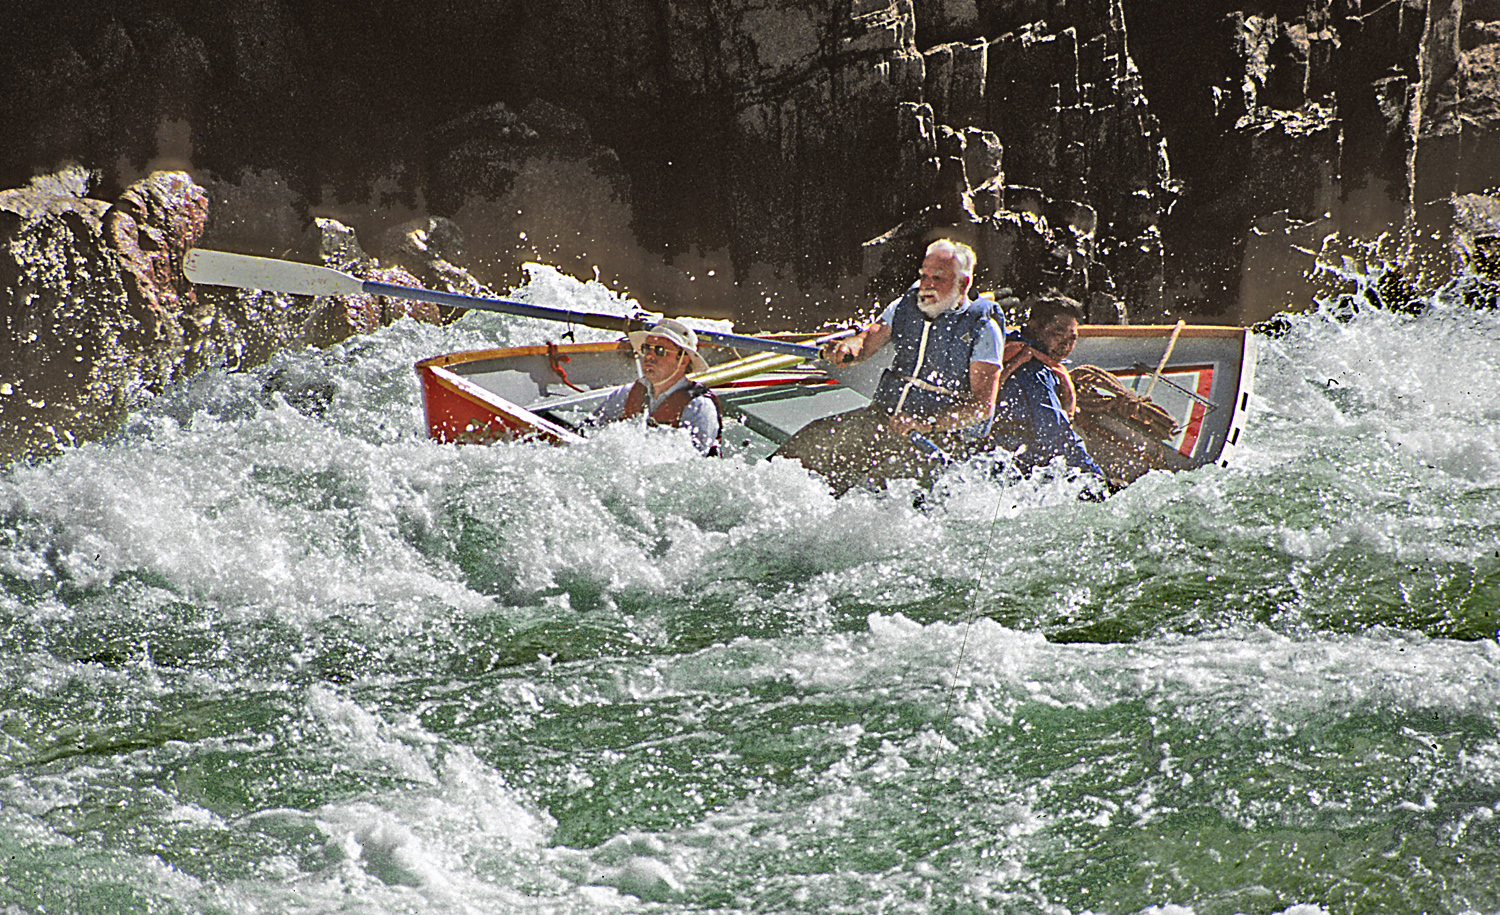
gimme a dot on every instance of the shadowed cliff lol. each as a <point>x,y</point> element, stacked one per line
<point>775,161</point>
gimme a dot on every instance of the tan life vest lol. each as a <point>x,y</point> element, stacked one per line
<point>669,411</point>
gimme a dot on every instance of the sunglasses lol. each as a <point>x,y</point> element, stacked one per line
<point>658,349</point>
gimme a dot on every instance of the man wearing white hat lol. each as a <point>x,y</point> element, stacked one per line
<point>667,352</point>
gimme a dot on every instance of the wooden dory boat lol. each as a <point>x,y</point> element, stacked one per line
<point>547,392</point>
<point>1186,412</point>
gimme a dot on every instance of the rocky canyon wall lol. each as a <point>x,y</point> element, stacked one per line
<point>1178,148</point>
<point>779,161</point>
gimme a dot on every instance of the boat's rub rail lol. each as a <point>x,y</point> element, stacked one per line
<point>1157,330</point>
<point>480,355</point>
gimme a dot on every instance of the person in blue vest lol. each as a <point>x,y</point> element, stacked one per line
<point>934,403</point>
<point>664,393</point>
<point>1034,412</point>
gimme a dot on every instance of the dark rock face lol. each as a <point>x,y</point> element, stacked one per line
<point>780,161</point>
<point>97,313</point>
<point>61,355</point>
<point>711,154</point>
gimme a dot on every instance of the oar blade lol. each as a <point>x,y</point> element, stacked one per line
<point>244,271</point>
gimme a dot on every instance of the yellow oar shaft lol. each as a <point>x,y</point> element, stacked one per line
<point>1172,342</point>
<point>748,367</point>
<point>758,364</point>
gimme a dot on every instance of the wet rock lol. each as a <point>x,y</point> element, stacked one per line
<point>150,228</point>
<point>1475,246</point>
<point>251,326</point>
<point>510,189</point>
<point>332,319</point>
<point>96,316</point>
<point>1476,228</point>
<point>776,142</point>
<point>258,212</point>
<point>67,373</point>
<point>338,246</point>
<point>430,249</point>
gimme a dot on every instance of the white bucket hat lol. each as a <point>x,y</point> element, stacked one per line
<point>678,333</point>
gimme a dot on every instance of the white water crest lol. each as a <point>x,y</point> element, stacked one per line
<point>270,649</point>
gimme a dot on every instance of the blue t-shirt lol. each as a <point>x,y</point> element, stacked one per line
<point>1029,413</point>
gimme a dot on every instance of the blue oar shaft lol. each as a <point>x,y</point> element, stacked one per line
<point>584,318</point>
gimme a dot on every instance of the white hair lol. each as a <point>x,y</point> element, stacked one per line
<point>963,256</point>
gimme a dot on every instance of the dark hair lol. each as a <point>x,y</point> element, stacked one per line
<point>1042,309</point>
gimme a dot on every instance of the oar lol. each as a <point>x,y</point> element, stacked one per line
<point>715,376</point>
<point>243,271</point>
<point>759,364</point>
<point>1171,343</point>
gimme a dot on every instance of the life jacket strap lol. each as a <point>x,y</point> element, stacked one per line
<point>926,385</point>
<point>1018,354</point>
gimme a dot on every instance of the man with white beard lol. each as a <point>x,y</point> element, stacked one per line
<point>935,399</point>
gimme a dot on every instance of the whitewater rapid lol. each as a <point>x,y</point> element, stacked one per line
<point>269,649</point>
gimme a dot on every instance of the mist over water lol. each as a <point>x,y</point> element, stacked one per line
<point>269,649</point>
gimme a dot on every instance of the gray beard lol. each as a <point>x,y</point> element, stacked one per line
<point>938,308</point>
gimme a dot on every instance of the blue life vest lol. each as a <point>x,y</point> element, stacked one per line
<point>929,374</point>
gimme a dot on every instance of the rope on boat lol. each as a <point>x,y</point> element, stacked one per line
<point>556,358</point>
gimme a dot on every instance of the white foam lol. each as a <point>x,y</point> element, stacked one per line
<point>241,504</point>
